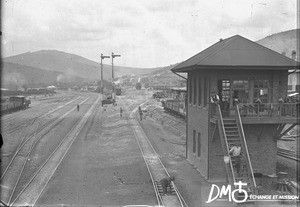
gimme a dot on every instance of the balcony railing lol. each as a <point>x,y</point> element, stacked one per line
<point>261,110</point>
<point>269,109</point>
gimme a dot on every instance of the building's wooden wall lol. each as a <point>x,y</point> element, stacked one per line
<point>262,151</point>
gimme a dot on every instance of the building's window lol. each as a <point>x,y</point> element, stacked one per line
<point>225,90</point>
<point>240,90</point>
<point>190,90</point>
<point>290,87</point>
<point>297,88</point>
<point>195,91</point>
<point>194,141</point>
<point>261,90</point>
<point>199,91</point>
<point>205,92</point>
<point>199,144</point>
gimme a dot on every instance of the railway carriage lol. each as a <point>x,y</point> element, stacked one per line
<point>14,103</point>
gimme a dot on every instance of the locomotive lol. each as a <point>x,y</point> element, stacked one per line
<point>14,103</point>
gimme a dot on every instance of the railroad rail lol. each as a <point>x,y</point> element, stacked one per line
<point>29,122</point>
<point>11,177</point>
<point>155,166</point>
<point>293,155</point>
<point>40,178</point>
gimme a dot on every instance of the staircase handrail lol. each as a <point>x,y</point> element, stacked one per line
<point>220,120</point>
<point>243,139</point>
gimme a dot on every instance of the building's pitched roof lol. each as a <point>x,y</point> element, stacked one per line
<point>236,52</point>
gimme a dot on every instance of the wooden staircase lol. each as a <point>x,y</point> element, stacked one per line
<point>232,134</point>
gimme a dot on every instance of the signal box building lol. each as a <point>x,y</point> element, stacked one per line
<point>251,82</point>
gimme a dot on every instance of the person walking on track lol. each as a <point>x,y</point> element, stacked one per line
<point>77,107</point>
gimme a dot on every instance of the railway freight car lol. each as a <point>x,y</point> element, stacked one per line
<point>14,103</point>
<point>174,107</point>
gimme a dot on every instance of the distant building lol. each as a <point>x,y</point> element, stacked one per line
<point>294,76</point>
<point>249,80</point>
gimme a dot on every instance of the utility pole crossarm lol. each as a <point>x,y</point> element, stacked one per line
<point>102,57</point>
<point>112,64</point>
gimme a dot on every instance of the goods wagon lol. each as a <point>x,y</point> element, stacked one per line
<point>175,107</point>
<point>14,103</point>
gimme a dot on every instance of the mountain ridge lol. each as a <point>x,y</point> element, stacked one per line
<point>72,65</point>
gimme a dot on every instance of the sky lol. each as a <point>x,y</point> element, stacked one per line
<point>146,33</point>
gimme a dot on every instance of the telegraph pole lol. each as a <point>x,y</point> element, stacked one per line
<point>112,68</point>
<point>102,57</point>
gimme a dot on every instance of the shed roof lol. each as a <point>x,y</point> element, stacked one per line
<point>237,52</point>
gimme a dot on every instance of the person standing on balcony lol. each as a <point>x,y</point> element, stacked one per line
<point>214,98</point>
<point>258,105</point>
<point>280,108</point>
<point>235,97</point>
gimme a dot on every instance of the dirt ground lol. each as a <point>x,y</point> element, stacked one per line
<point>104,166</point>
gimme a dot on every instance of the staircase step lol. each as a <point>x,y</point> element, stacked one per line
<point>232,135</point>
<point>227,125</point>
<point>233,140</point>
<point>231,129</point>
<point>229,119</point>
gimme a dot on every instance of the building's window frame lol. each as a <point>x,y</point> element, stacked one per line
<point>205,92</point>
<point>190,90</point>
<point>194,141</point>
<point>240,85</point>
<point>195,91</point>
<point>263,84</point>
<point>199,145</point>
<point>200,91</point>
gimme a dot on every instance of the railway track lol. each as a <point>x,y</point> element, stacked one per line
<point>12,180</point>
<point>293,155</point>
<point>40,178</point>
<point>155,166</point>
<point>28,122</point>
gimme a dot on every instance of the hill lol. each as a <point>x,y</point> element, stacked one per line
<point>17,76</point>
<point>283,42</point>
<point>71,64</point>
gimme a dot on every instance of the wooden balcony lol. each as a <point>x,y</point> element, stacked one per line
<point>266,113</point>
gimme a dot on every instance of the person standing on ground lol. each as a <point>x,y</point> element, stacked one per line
<point>77,107</point>
<point>141,113</point>
<point>121,111</point>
